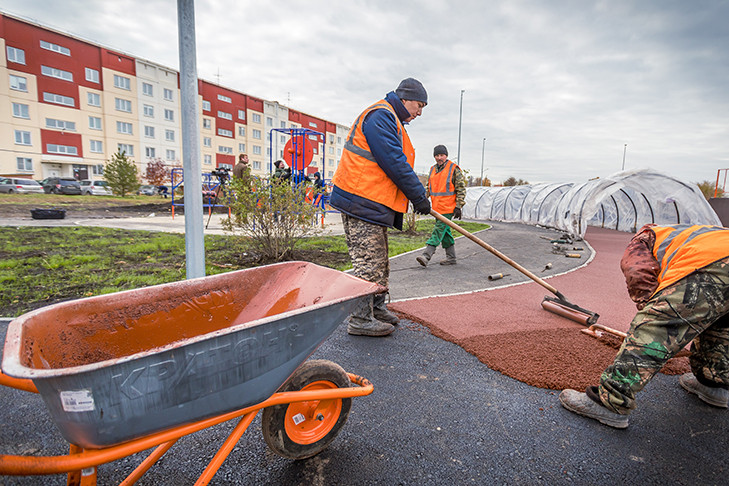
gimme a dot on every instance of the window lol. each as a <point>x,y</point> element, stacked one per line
<point>257,149</point>
<point>242,114</point>
<point>25,164</point>
<point>61,149</point>
<point>208,159</point>
<point>283,124</point>
<point>269,121</point>
<point>312,124</point>
<point>58,99</point>
<point>18,83</point>
<point>241,147</point>
<point>168,94</point>
<point>256,118</point>
<point>147,89</point>
<point>126,148</point>
<point>149,110</point>
<point>331,150</point>
<point>224,98</point>
<point>95,123</point>
<point>225,150</point>
<point>206,123</point>
<point>94,99</point>
<point>61,124</point>
<point>98,169</point>
<point>268,151</point>
<point>149,152</point>
<point>92,75</point>
<point>56,73</point>
<point>207,142</point>
<point>283,138</point>
<point>206,105</point>
<point>225,115</point>
<point>242,131</point>
<point>169,115</point>
<point>268,136</point>
<point>224,132</point>
<point>170,154</point>
<point>22,137</point>
<point>330,174</point>
<point>121,82</point>
<point>331,138</point>
<point>55,48</point>
<point>124,127</point>
<point>148,131</point>
<point>339,140</point>
<point>16,55</point>
<point>170,135</point>
<point>123,105</point>
<point>256,134</point>
<point>97,146</point>
<point>21,110</point>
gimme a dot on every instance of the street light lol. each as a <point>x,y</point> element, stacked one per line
<point>625,149</point>
<point>483,147</point>
<point>460,119</point>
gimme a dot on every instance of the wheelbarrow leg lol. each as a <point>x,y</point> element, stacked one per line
<point>85,477</point>
<point>150,461</point>
<point>226,449</point>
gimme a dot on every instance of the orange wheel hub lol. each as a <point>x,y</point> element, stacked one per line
<point>309,422</point>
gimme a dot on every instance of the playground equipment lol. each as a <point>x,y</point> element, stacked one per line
<point>125,372</point>
<point>211,186</point>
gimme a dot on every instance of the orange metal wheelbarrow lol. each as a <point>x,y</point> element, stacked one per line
<point>135,370</point>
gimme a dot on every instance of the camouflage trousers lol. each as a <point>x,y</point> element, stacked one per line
<point>441,234</point>
<point>693,310</point>
<point>368,249</point>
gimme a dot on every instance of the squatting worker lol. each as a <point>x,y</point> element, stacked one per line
<point>372,185</point>
<point>679,278</point>
<point>447,191</point>
<point>242,169</point>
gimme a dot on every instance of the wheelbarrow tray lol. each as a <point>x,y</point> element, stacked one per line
<point>116,367</point>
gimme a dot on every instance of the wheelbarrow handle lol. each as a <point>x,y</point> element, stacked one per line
<point>496,252</point>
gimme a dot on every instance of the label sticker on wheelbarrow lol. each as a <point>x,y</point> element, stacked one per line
<point>298,418</point>
<point>77,401</point>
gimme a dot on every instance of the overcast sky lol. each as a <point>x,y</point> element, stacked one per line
<point>556,87</point>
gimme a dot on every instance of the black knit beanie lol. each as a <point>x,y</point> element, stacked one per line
<point>440,149</point>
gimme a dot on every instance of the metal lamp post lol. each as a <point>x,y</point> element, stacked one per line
<point>483,148</point>
<point>625,149</point>
<point>460,119</point>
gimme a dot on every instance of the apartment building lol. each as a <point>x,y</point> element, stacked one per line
<point>70,104</point>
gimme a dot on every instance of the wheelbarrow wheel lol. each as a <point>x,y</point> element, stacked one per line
<point>300,430</point>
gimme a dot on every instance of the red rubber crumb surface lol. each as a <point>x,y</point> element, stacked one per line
<point>508,330</point>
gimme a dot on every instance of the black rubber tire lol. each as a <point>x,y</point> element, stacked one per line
<point>11,191</point>
<point>272,421</point>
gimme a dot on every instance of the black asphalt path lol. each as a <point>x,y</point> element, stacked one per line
<point>437,415</point>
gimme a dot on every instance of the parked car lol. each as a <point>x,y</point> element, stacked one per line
<point>147,190</point>
<point>95,188</point>
<point>21,186</point>
<point>61,185</point>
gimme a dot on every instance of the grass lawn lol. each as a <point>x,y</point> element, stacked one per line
<point>41,266</point>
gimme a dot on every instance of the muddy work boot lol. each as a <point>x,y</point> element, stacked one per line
<point>425,257</point>
<point>581,404</point>
<point>450,256</point>
<point>380,311</point>
<point>718,397</point>
<point>362,321</point>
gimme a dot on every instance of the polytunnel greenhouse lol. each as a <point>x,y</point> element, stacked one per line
<point>624,201</point>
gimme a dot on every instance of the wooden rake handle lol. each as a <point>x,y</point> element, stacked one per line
<point>496,252</point>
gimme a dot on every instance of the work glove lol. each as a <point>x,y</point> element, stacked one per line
<point>457,213</point>
<point>423,207</point>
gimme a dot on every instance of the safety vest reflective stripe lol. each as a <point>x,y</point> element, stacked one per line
<point>349,143</point>
<point>682,249</point>
<point>450,170</point>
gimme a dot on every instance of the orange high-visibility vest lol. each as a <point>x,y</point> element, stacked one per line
<point>682,249</point>
<point>358,172</point>
<point>443,188</point>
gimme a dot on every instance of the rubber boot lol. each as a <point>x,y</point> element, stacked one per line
<point>380,311</point>
<point>450,256</point>
<point>362,322</point>
<point>425,257</point>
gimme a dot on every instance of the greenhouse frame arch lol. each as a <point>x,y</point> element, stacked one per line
<point>624,201</point>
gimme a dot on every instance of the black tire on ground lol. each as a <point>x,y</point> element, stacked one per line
<point>314,374</point>
<point>11,191</point>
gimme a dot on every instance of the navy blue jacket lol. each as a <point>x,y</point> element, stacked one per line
<point>380,129</point>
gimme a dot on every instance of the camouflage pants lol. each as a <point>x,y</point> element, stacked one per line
<point>693,310</point>
<point>441,234</point>
<point>368,250</point>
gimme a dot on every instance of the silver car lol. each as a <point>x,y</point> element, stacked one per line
<point>20,186</point>
<point>95,188</point>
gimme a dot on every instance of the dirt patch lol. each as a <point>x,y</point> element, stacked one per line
<point>20,205</point>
